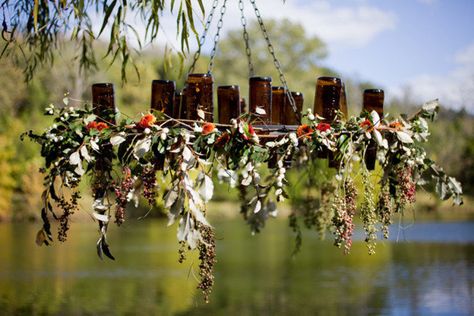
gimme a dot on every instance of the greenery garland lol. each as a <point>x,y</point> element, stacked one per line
<point>128,159</point>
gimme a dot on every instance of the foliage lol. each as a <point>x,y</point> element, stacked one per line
<point>158,149</point>
<point>32,30</point>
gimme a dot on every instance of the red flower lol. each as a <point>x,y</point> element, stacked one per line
<point>304,130</point>
<point>367,124</point>
<point>248,132</point>
<point>208,128</point>
<point>97,125</point>
<point>322,127</point>
<point>251,130</point>
<point>147,121</point>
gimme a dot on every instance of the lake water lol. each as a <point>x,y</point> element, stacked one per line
<point>428,271</point>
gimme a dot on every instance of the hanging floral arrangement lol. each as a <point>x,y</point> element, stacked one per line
<point>127,159</point>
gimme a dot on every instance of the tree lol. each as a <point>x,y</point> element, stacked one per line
<point>32,31</point>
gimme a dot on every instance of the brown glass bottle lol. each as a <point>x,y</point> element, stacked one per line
<point>177,104</point>
<point>278,104</point>
<point>260,95</point>
<point>162,96</point>
<point>228,103</point>
<point>327,99</point>
<point>199,94</point>
<point>103,101</point>
<point>289,116</point>
<point>343,101</point>
<point>373,101</point>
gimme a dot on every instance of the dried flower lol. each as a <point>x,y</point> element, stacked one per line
<point>304,130</point>
<point>208,128</point>
<point>147,121</point>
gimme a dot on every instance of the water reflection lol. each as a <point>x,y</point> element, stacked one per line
<point>255,275</point>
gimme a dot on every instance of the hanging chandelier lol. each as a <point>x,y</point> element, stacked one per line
<point>181,146</point>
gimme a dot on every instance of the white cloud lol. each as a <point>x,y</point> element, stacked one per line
<point>454,89</point>
<point>352,24</point>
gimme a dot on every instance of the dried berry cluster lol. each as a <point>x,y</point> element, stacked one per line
<point>368,213</point>
<point>207,257</point>
<point>122,192</point>
<point>68,208</point>
<point>407,186</point>
<point>385,209</point>
<point>344,211</point>
<point>149,184</point>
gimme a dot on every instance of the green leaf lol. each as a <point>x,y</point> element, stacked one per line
<point>108,12</point>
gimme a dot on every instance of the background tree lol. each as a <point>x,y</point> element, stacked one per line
<point>32,31</point>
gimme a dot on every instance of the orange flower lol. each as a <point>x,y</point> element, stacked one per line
<point>208,128</point>
<point>97,125</point>
<point>322,127</point>
<point>396,125</point>
<point>222,140</point>
<point>147,121</point>
<point>304,130</point>
<point>91,125</point>
<point>101,126</point>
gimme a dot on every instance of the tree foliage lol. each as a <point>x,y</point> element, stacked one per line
<point>32,31</point>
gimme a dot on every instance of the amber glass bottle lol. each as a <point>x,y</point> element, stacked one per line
<point>199,93</point>
<point>177,104</point>
<point>327,99</point>
<point>228,103</point>
<point>162,96</point>
<point>373,101</point>
<point>278,104</point>
<point>103,101</point>
<point>343,101</point>
<point>289,116</point>
<point>260,94</point>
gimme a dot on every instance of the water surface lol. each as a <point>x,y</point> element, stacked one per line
<point>429,271</point>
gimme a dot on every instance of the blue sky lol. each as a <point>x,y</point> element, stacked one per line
<point>426,45</point>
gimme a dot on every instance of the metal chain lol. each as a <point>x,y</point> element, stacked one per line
<point>216,37</point>
<point>275,60</point>
<point>197,54</point>
<point>246,38</point>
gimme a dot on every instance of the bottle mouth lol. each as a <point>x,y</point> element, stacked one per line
<point>200,75</point>
<point>329,80</point>
<point>162,81</point>
<point>236,87</point>
<point>296,93</point>
<point>260,79</point>
<point>278,88</point>
<point>103,85</point>
<point>373,91</point>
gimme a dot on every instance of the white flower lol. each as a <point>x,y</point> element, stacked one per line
<point>278,192</point>
<point>294,139</point>
<point>233,122</point>
<point>311,117</point>
<point>147,131</point>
